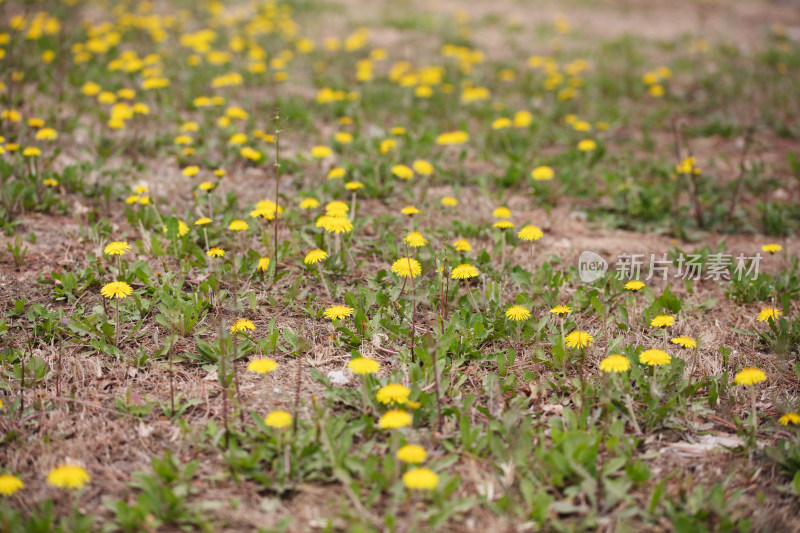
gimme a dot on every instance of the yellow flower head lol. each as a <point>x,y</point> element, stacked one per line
<point>634,285</point>
<point>238,225</point>
<point>422,167</point>
<point>615,363</point>
<point>462,245</point>
<point>415,239</point>
<point>518,313</point>
<point>31,151</point>
<point>363,365</point>
<point>262,366</point>
<point>530,233</point>
<point>202,221</point>
<point>452,138</point>
<point>10,484</point>
<point>337,312</point>
<point>116,248</point>
<point>263,264</point>
<point>116,289</point>
<point>337,208</point>
<point>216,251</point>
<point>772,248</point>
<point>749,376</point>
<point>411,453</point>
<point>278,419</point>
<point>405,267</point>
<point>465,271</point>
<point>410,210</point>
<point>561,310</point>
<point>321,152</point>
<point>789,418</point>
<point>685,342</point>
<point>449,201</point>
<point>243,324</point>
<point>315,256</point>
<point>767,313</point>
<point>421,479</point>
<point>394,419</point>
<point>336,173</point>
<point>403,172</point>
<point>503,224</point>
<point>309,203</point>
<point>336,225</point>
<point>543,173</point>
<point>206,186</point>
<point>343,137</point>
<point>191,171</point>
<point>501,212</point>
<point>68,477</point>
<point>353,185</point>
<point>578,339</point>
<point>587,145</point>
<point>662,321</point>
<point>654,357</point>
<point>394,393</point>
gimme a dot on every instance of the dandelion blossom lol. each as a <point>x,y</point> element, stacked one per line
<point>518,313</point>
<point>321,152</point>
<point>364,365</point>
<point>578,339</point>
<point>335,224</point>
<point>684,342</point>
<point>634,285</point>
<point>501,212</point>
<point>243,324</point>
<point>309,203</point>
<point>662,321</point>
<point>421,479</point>
<point>337,312</point>
<point>116,289</point>
<point>415,239</point>
<point>654,357</point>
<point>503,224</point>
<point>315,256</point>
<point>262,366</point>
<point>216,251</point>
<point>10,484</point>
<point>403,172</point>
<point>449,201</point>
<point>561,310</point>
<point>410,210</point>
<point>452,138</point>
<point>789,418</point>
<point>68,477</point>
<point>422,167</point>
<point>543,173</point>
<point>116,248</point>
<point>238,225</point>
<point>394,419</point>
<point>411,453</point>
<point>615,363</point>
<point>587,145</point>
<point>749,376</point>
<point>405,267</point>
<point>202,221</point>
<point>465,271</point>
<point>767,313</point>
<point>772,248</point>
<point>263,264</point>
<point>393,393</point>
<point>462,245</point>
<point>530,233</point>
<point>278,419</point>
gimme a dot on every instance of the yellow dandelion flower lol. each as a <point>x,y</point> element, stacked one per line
<point>202,221</point>
<point>561,310</point>
<point>465,271</point>
<point>68,476</point>
<point>31,151</point>
<point>243,324</point>
<point>615,363</point>
<point>116,248</point>
<point>411,453</point>
<point>263,264</point>
<point>278,419</point>
<point>684,342</point>
<point>343,137</point>
<point>662,321</point>
<point>394,419</point>
<point>501,212</point>
<point>116,289</point>
<point>46,134</point>
<point>422,167</point>
<point>634,285</point>
<point>337,312</point>
<point>503,224</point>
<point>332,224</point>
<point>216,251</point>
<point>421,479</point>
<point>452,138</point>
<point>403,172</point>
<point>238,225</point>
<point>772,248</point>
<point>518,313</point>
<point>336,173</point>
<point>749,377</point>
<point>10,484</point>
<point>587,145</point>
<point>315,256</point>
<point>530,233</point>
<point>206,186</point>
<point>363,365</point>
<point>789,418</point>
<point>543,173</point>
<point>309,203</point>
<point>501,123</point>
<point>353,185</point>
<point>262,366</point>
<point>410,210</point>
<point>415,239</point>
<point>387,145</point>
<point>767,313</point>
<point>191,171</point>
<point>321,152</point>
<point>393,393</point>
<point>50,182</point>
<point>654,357</point>
<point>405,267</point>
<point>578,339</point>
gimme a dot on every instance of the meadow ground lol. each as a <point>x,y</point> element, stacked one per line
<point>314,265</point>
